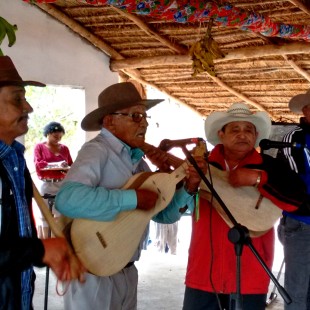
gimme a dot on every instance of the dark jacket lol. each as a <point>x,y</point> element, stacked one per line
<point>16,253</point>
<point>295,156</point>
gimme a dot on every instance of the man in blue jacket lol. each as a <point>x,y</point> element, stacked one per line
<point>20,249</point>
<point>294,228</point>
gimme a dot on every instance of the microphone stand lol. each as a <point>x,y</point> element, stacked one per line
<point>239,236</point>
<point>51,201</point>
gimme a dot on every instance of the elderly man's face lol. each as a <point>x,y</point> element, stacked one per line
<point>124,127</point>
<point>14,110</point>
<point>238,136</point>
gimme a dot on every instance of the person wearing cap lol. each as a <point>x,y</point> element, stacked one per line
<point>294,227</point>
<point>52,161</point>
<point>211,275</point>
<point>93,190</point>
<point>20,248</point>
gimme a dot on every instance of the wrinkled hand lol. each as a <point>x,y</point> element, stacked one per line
<point>146,199</point>
<point>59,257</point>
<point>243,177</point>
<point>193,179</point>
<point>159,159</point>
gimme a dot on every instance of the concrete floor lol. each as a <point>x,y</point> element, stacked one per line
<point>161,278</point>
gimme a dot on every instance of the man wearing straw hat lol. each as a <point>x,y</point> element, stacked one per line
<point>20,249</point>
<point>294,228</point>
<point>211,272</point>
<point>93,189</point>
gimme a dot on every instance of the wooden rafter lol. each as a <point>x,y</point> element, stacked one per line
<point>299,70</point>
<point>301,6</point>
<point>139,23</point>
<point>242,53</point>
<point>239,95</point>
<point>153,52</point>
<point>111,52</point>
<point>179,49</point>
<point>107,49</point>
<point>77,28</point>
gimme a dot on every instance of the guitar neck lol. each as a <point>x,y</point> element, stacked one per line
<point>172,160</point>
<point>199,150</point>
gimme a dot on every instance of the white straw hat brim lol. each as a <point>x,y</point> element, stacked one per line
<point>297,103</point>
<point>238,112</point>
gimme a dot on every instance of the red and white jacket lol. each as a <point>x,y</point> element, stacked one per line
<point>212,260</point>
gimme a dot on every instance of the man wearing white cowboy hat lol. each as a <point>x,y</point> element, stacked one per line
<point>91,189</point>
<point>20,248</point>
<point>294,228</point>
<point>211,271</point>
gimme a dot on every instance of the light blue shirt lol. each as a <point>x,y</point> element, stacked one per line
<point>93,186</point>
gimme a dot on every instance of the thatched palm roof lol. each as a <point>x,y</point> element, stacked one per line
<point>266,60</point>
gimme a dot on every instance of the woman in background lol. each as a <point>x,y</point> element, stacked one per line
<point>52,161</point>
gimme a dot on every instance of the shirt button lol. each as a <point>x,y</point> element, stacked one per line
<point>15,168</point>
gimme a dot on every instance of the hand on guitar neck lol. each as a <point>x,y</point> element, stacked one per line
<point>193,179</point>
<point>159,158</point>
<point>146,199</point>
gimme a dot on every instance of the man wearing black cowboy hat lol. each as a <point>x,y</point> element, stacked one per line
<point>294,228</point>
<point>93,190</point>
<point>20,249</point>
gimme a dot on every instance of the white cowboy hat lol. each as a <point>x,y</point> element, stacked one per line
<point>237,112</point>
<point>299,101</point>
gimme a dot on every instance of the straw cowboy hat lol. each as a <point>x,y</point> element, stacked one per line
<point>10,76</point>
<point>297,103</point>
<point>236,113</point>
<point>115,97</point>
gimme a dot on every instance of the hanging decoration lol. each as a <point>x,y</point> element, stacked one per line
<point>188,11</point>
<point>203,52</point>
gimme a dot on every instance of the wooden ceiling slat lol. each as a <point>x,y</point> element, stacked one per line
<point>262,71</point>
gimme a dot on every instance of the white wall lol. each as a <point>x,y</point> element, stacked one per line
<point>47,51</point>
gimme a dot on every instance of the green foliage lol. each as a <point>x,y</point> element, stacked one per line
<point>50,104</point>
<point>7,30</point>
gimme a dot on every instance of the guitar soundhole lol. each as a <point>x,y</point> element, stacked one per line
<point>100,237</point>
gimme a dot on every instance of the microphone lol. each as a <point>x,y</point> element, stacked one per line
<point>266,144</point>
<point>167,144</point>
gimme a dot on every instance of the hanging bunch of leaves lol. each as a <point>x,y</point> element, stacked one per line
<point>6,29</point>
<point>204,52</point>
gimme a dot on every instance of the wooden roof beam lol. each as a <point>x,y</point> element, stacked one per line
<point>298,69</point>
<point>242,53</point>
<point>143,26</point>
<point>301,6</point>
<point>292,63</point>
<point>239,95</point>
<point>80,30</point>
<point>74,26</point>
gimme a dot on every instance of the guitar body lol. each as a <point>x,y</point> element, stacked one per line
<point>106,247</point>
<point>245,203</point>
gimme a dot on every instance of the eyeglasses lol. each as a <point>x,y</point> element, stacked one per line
<point>136,117</point>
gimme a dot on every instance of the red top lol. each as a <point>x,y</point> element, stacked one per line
<point>43,156</point>
<point>212,256</point>
<point>212,259</point>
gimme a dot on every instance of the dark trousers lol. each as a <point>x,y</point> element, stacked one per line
<point>200,300</point>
